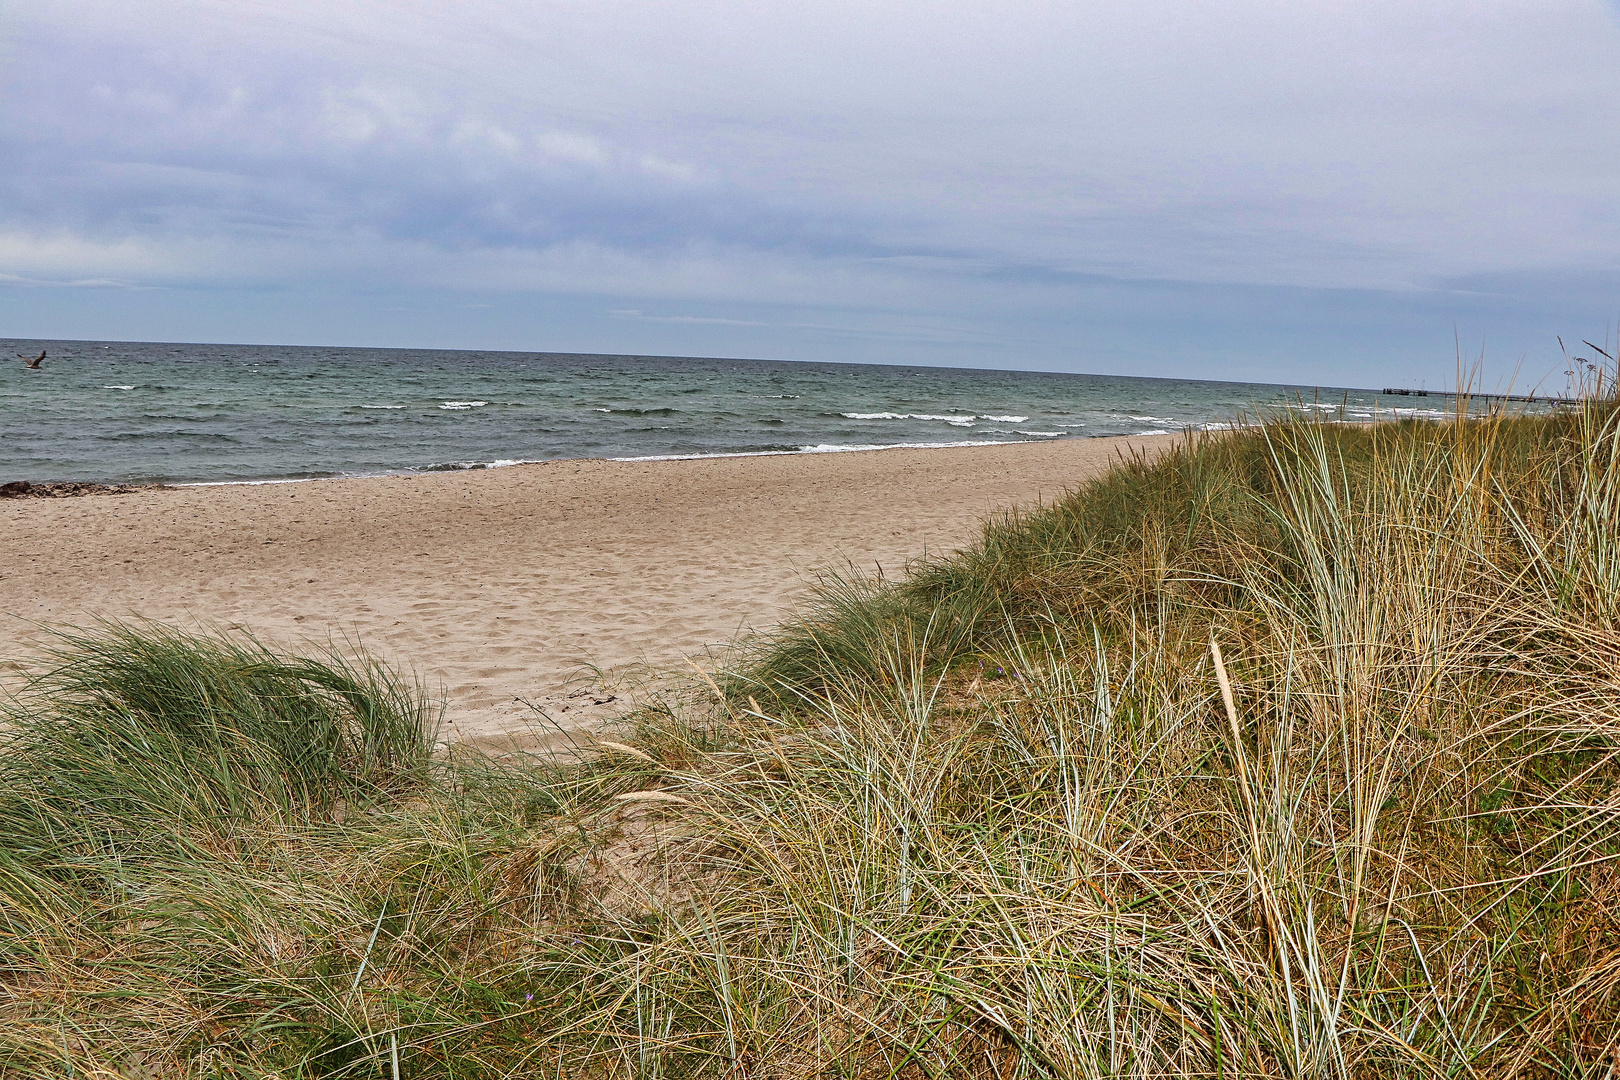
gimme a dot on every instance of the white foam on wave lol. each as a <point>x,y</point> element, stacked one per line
<point>1042,434</point>
<point>458,466</point>
<point>462,404</point>
<point>955,418</point>
<point>387,406</point>
<point>262,483</point>
<point>464,466</point>
<point>824,448</point>
<point>118,388</point>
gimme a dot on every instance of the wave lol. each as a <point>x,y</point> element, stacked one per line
<point>132,436</point>
<point>259,483</point>
<point>957,419</point>
<point>1421,414</point>
<point>822,448</point>
<point>464,466</point>
<point>398,406</point>
<point>118,388</point>
<point>462,404</point>
<point>903,416</point>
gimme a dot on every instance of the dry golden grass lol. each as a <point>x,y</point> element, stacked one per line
<point>1291,752</point>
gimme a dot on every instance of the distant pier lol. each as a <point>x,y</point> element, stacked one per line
<point>1398,392</point>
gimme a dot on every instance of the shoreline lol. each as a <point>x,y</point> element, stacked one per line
<point>500,585</point>
<point>121,487</point>
<point>487,466</point>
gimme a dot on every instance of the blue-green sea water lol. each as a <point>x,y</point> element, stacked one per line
<point>174,413</point>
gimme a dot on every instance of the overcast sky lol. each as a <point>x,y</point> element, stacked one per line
<point>1323,192</point>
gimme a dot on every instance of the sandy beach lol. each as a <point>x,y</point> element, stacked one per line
<point>498,586</point>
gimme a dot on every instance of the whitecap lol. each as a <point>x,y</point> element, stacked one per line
<point>465,466</point>
<point>387,406</point>
<point>258,483</point>
<point>1043,434</point>
<point>823,448</point>
<point>958,419</point>
<point>1006,419</point>
<point>118,388</point>
<point>462,404</point>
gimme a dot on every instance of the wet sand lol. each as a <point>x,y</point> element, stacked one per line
<point>497,586</point>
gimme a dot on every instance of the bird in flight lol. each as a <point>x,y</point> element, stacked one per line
<point>34,363</point>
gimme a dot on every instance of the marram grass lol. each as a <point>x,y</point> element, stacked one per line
<point>1289,752</point>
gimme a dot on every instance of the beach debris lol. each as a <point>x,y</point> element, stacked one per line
<point>32,362</point>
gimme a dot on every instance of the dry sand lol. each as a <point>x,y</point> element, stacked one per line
<point>497,586</point>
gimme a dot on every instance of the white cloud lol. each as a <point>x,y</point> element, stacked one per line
<point>15,280</point>
<point>705,320</point>
<point>572,146</point>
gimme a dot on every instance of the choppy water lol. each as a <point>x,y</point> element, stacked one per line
<point>113,411</point>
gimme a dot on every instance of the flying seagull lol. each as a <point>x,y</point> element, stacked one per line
<point>34,363</point>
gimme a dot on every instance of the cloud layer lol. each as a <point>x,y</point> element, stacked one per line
<point>1083,185</point>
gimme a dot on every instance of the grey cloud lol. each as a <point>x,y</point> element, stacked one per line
<point>1033,159</point>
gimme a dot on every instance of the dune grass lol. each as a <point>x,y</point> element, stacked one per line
<point>1290,751</point>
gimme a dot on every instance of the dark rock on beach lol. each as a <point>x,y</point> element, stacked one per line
<point>22,489</point>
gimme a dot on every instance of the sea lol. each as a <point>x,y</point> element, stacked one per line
<point>144,412</point>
